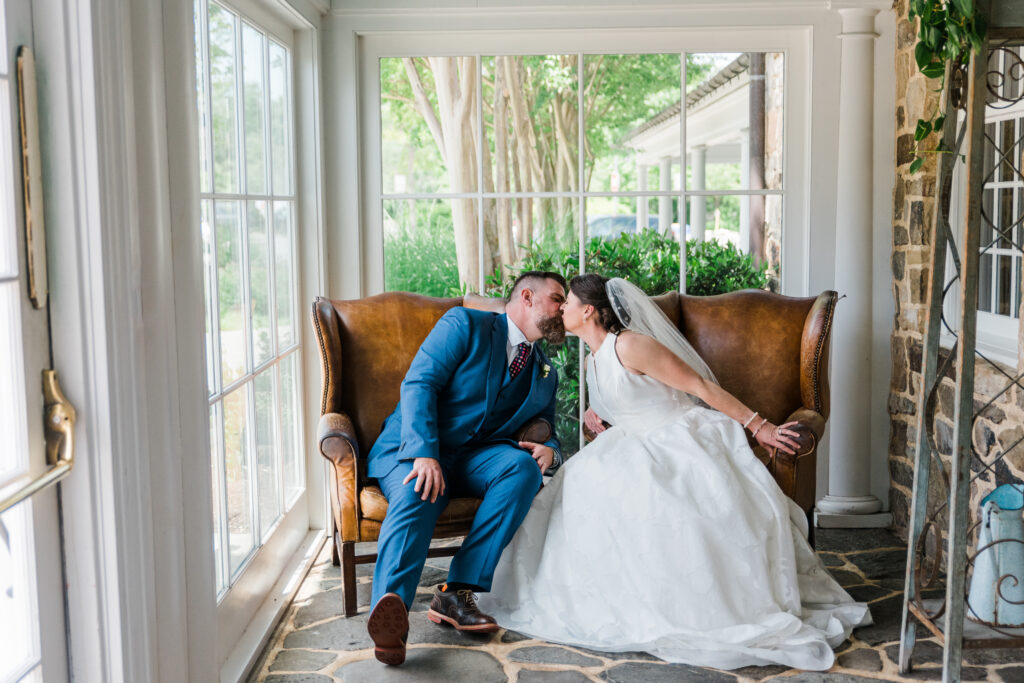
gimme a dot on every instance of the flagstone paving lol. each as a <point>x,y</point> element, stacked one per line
<point>315,644</point>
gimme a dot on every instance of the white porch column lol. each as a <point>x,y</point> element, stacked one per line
<point>745,199</point>
<point>698,219</point>
<point>641,202</point>
<point>849,502</point>
<point>665,203</point>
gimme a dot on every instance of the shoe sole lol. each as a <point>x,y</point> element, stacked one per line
<point>439,618</point>
<point>388,624</point>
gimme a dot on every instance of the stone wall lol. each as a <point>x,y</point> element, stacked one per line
<point>1002,424</point>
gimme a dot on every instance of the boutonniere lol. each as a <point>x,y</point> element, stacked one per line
<point>544,371</point>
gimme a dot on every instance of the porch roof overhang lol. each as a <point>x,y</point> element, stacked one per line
<point>717,113</point>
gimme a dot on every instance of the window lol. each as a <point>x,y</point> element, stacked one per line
<point>248,213</point>
<point>494,163</point>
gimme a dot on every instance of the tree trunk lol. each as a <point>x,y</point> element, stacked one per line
<point>506,241</point>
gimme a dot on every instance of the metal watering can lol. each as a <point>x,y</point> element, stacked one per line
<point>996,595</point>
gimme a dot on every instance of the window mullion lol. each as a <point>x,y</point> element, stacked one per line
<point>480,142</point>
<point>683,197</point>
<point>581,226</point>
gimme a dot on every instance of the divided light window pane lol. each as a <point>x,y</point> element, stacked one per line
<point>255,102</point>
<point>280,150</point>
<point>223,98</point>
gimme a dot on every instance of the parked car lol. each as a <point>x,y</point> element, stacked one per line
<point>610,226</point>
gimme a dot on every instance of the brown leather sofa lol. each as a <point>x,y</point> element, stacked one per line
<point>768,350</point>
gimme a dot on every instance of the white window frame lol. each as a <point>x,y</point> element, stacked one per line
<point>997,336</point>
<point>263,586</point>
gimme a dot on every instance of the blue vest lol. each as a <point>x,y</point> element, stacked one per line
<point>510,396</point>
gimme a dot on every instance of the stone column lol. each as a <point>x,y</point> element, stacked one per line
<point>641,202</point>
<point>745,199</point>
<point>698,219</point>
<point>665,202</point>
<point>849,502</point>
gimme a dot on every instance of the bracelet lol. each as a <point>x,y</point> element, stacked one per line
<point>747,423</point>
<point>763,423</point>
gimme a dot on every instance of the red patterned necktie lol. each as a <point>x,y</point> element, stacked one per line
<point>520,360</point>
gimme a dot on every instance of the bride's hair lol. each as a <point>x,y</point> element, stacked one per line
<point>590,290</point>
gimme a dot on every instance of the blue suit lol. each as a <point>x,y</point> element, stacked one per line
<point>459,406</point>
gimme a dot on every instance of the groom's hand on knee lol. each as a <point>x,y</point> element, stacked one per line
<point>429,478</point>
<point>543,455</point>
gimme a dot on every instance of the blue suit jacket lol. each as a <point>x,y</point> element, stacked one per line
<point>449,391</point>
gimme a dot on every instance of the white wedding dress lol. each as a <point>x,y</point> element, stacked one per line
<point>667,535</point>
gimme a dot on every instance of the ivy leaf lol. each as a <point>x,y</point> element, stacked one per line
<point>933,70</point>
<point>923,129</point>
<point>916,165</point>
<point>922,55</point>
<point>937,126</point>
<point>965,7</point>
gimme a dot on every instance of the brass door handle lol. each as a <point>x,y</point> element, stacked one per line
<point>59,424</point>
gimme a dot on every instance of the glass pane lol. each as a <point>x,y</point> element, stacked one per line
<point>1006,144</point>
<point>202,74</point>
<point>618,247</point>
<point>291,442</point>
<point>13,419</point>
<point>734,121</point>
<point>18,609</point>
<point>531,115</point>
<point>223,98</point>
<point>988,217</point>
<point>985,283</point>
<point>255,99</point>
<point>209,274</point>
<point>1004,196</point>
<point>1004,296</point>
<point>268,470</point>
<point>565,360</point>
<point>632,122</point>
<point>421,252</point>
<point>259,281</point>
<point>734,228</point>
<point>238,477</point>
<point>9,256</point>
<point>233,343</point>
<point>280,148</point>
<point>517,237</point>
<point>216,472</point>
<point>989,152</point>
<point>284,274</point>
<point>428,118</point>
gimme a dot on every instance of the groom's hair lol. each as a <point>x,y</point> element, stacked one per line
<point>532,278</point>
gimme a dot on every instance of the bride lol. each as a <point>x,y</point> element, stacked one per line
<point>666,534</point>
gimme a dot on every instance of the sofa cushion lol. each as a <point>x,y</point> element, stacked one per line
<point>374,506</point>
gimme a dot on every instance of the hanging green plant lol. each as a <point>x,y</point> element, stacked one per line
<point>949,31</point>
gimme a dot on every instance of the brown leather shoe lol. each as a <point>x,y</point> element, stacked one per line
<point>458,608</point>
<point>388,626</point>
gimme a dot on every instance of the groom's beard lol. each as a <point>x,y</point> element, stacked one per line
<point>553,329</point>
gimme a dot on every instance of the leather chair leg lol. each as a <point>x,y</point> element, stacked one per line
<point>348,578</point>
<point>335,542</point>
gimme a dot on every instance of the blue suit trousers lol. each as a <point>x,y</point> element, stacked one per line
<point>504,476</point>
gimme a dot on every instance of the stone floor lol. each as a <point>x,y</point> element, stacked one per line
<point>313,644</point>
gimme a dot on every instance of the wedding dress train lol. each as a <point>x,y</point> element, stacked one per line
<point>667,535</point>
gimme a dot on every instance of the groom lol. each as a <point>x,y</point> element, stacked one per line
<point>477,379</point>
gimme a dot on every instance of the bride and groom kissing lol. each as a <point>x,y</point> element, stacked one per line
<point>665,534</point>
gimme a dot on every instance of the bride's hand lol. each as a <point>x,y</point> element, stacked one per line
<point>593,421</point>
<point>782,437</point>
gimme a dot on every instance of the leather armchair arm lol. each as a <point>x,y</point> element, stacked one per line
<point>811,427</point>
<point>337,439</point>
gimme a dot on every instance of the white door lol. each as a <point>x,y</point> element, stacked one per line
<point>32,625</point>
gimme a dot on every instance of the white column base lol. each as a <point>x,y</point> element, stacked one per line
<point>877,520</point>
<point>849,505</point>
